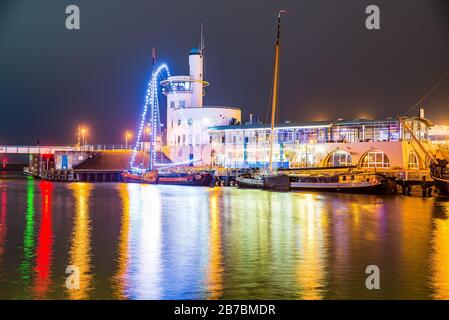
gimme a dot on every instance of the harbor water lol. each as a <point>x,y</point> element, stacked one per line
<point>132,241</point>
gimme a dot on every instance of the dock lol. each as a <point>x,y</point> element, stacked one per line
<point>107,166</point>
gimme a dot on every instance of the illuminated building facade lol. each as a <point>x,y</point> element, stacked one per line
<point>381,143</point>
<point>188,119</point>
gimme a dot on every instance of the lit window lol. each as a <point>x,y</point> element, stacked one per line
<point>412,161</point>
<point>375,159</point>
<point>339,158</point>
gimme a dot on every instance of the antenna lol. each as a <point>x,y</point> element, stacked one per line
<point>202,46</point>
<point>153,54</point>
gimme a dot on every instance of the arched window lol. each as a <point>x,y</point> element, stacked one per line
<point>413,160</point>
<point>375,159</point>
<point>339,158</point>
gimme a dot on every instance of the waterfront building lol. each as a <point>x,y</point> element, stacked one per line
<point>187,139</point>
<point>214,135</point>
<point>439,135</point>
<point>371,144</point>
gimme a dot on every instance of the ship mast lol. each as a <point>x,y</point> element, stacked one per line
<point>153,127</point>
<point>275,88</point>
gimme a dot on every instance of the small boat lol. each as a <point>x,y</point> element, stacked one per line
<point>146,177</point>
<point>155,177</point>
<point>185,179</point>
<point>272,182</point>
<point>248,182</point>
<point>440,175</point>
<point>347,182</point>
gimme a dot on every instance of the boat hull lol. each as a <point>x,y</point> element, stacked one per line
<point>148,178</point>
<point>439,172</point>
<point>442,186</point>
<point>328,187</point>
<point>279,182</point>
<point>249,183</point>
<point>275,182</point>
<point>199,179</point>
<point>345,183</point>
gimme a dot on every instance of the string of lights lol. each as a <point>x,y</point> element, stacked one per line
<point>151,101</point>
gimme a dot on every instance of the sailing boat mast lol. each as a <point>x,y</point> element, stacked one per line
<point>275,88</point>
<point>153,130</point>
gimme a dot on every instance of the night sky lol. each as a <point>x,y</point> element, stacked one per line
<point>52,79</point>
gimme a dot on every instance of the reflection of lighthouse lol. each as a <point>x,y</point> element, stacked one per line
<point>187,119</point>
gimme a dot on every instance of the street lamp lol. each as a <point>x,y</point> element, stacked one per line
<point>128,135</point>
<point>82,132</point>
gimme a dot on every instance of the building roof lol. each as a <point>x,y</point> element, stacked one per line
<point>195,51</point>
<point>277,125</point>
<point>315,124</point>
<point>365,121</point>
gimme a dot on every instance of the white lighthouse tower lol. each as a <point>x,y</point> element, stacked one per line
<point>196,76</point>
<point>187,118</point>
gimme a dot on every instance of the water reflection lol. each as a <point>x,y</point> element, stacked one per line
<point>3,202</point>
<point>440,249</point>
<point>139,262</point>
<point>311,230</point>
<point>173,242</point>
<point>26,266</point>
<point>185,233</point>
<point>119,281</point>
<point>44,250</point>
<point>215,269</point>
<point>259,259</point>
<point>145,253</point>
<point>80,251</point>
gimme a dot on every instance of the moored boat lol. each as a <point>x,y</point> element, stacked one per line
<point>272,182</point>
<point>186,179</point>
<point>249,182</point>
<point>348,182</point>
<point>154,177</point>
<point>440,175</point>
<point>149,177</point>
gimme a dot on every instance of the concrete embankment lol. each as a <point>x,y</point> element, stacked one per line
<point>107,165</point>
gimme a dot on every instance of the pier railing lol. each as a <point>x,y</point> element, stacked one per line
<point>104,147</point>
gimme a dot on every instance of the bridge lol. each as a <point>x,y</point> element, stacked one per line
<point>8,149</point>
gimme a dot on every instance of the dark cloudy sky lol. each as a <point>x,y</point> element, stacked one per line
<point>51,79</point>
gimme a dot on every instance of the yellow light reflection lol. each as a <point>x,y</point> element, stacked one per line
<point>147,257</point>
<point>139,262</point>
<point>415,228</point>
<point>215,265</point>
<point>120,284</point>
<point>440,257</point>
<point>80,252</point>
<point>311,226</point>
